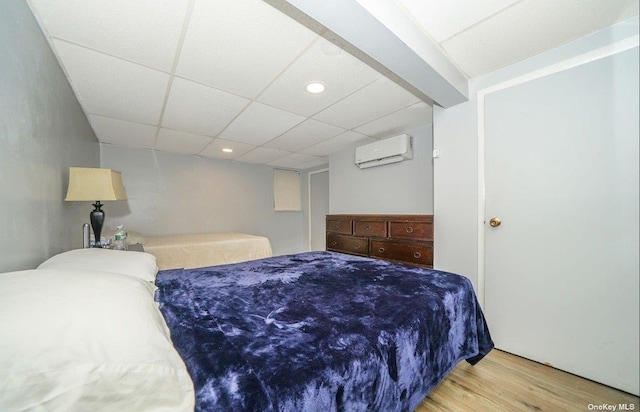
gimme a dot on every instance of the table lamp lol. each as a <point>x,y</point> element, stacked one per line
<point>92,184</point>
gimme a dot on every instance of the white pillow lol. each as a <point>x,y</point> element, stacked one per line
<point>138,264</point>
<point>86,341</point>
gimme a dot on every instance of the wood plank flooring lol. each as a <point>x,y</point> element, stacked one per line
<point>505,382</point>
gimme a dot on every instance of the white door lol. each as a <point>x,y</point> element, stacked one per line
<point>318,209</point>
<point>561,270</point>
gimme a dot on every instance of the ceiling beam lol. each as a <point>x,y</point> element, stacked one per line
<point>391,42</point>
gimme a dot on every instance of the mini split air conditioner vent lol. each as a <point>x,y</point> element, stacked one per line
<point>390,150</point>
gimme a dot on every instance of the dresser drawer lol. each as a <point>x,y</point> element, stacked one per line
<point>416,253</point>
<point>411,230</point>
<point>348,244</point>
<point>369,228</point>
<point>339,226</point>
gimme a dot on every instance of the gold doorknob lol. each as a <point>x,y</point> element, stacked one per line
<point>495,222</point>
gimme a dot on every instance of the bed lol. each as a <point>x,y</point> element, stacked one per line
<point>320,331</point>
<point>99,329</point>
<point>206,249</point>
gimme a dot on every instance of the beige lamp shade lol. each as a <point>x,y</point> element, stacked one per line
<point>92,184</point>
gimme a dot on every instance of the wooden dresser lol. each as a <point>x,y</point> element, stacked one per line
<point>399,238</point>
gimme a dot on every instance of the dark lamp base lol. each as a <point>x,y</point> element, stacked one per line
<point>97,219</point>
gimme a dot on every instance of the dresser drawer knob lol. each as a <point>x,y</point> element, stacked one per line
<point>417,255</point>
<point>368,227</point>
<point>409,229</point>
<point>334,243</point>
<point>381,250</point>
<point>338,225</point>
<point>356,246</point>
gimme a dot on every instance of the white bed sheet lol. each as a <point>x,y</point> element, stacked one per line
<point>206,249</point>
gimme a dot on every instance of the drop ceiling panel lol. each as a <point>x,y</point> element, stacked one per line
<point>299,161</point>
<point>341,73</point>
<point>145,32</point>
<point>180,142</point>
<point>241,67</point>
<point>113,87</point>
<point>304,135</point>
<point>366,104</point>
<point>240,46</point>
<point>335,144</point>
<point>214,149</point>
<point>123,133</point>
<point>486,47</point>
<point>260,123</point>
<point>443,19</point>
<point>199,109</point>
<point>262,155</point>
<point>314,163</point>
<point>398,122</point>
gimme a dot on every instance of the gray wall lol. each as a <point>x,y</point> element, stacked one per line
<point>43,131</point>
<point>405,187</point>
<point>177,194</point>
<point>456,177</point>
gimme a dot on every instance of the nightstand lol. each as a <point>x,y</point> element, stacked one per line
<point>135,247</point>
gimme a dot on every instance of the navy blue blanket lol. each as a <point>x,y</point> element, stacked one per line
<point>320,331</point>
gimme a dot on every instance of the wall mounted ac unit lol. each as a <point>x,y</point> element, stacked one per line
<point>390,150</point>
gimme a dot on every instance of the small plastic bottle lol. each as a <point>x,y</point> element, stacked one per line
<point>86,238</point>
<point>120,238</point>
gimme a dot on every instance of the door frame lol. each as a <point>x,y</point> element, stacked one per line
<point>579,60</point>
<point>309,202</point>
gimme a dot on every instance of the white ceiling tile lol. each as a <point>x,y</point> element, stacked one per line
<point>341,73</point>
<point>303,135</point>
<point>504,39</point>
<point>248,48</point>
<point>262,155</point>
<point>319,161</point>
<point>398,122</point>
<point>241,45</point>
<point>199,109</point>
<point>443,19</point>
<point>112,87</point>
<point>144,31</point>
<point>369,103</point>
<point>214,149</point>
<point>338,143</point>
<point>260,123</point>
<point>180,142</point>
<point>299,161</point>
<point>123,133</point>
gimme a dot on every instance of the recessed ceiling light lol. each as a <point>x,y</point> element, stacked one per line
<point>315,87</point>
<point>227,150</point>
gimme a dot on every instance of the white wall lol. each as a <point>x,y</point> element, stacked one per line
<point>176,194</point>
<point>403,188</point>
<point>43,131</point>
<point>456,179</point>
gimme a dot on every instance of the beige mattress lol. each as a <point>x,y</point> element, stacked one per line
<point>206,249</point>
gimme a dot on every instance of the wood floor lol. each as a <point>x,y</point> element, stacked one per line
<point>505,382</point>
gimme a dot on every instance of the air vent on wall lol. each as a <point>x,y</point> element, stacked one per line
<point>390,150</point>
